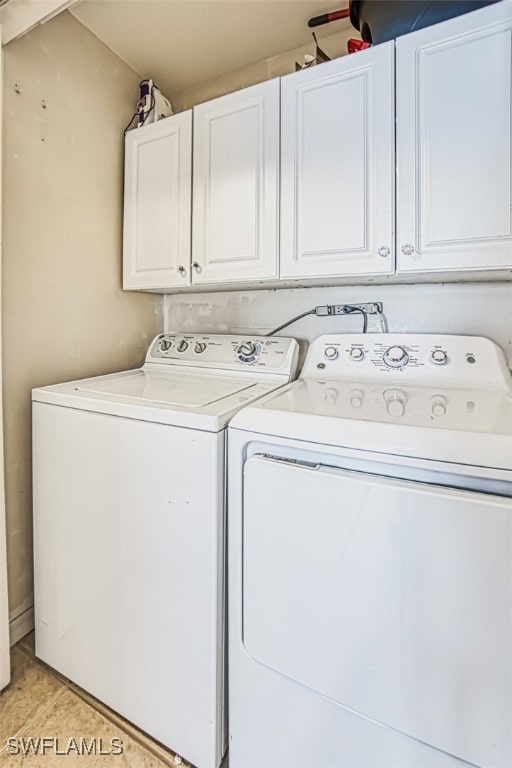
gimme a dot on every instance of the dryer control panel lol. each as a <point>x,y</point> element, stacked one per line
<point>468,362</point>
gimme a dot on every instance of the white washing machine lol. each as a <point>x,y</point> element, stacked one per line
<point>129,530</point>
<point>370,559</point>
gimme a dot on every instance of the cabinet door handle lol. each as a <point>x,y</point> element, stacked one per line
<point>383,251</point>
<point>407,249</point>
<point>196,266</point>
<point>182,270</point>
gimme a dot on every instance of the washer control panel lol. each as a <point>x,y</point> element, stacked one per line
<point>417,359</point>
<point>234,353</point>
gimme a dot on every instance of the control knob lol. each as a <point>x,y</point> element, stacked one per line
<point>165,345</point>
<point>356,354</point>
<point>356,398</point>
<point>247,349</point>
<point>331,353</point>
<point>396,357</point>
<point>199,347</point>
<point>182,345</point>
<point>395,400</point>
<point>439,357</point>
<point>331,396</point>
<point>438,405</point>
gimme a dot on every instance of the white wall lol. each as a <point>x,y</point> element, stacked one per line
<point>481,309</point>
<point>64,315</point>
<point>333,45</point>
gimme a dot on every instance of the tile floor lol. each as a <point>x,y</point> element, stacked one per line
<point>40,703</point>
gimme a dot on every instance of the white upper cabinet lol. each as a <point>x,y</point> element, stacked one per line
<point>454,106</point>
<point>294,179</point>
<point>157,204</point>
<point>235,182</point>
<point>337,167</point>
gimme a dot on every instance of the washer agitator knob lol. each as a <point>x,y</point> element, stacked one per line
<point>396,357</point>
<point>331,353</point>
<point>165,345</point>
<point>199,347</point>
<point>182,345</point>
<point>439,357</point>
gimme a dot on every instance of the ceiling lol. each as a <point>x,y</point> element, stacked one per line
<point>181,43</point>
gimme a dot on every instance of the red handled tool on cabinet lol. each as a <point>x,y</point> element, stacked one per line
<point>353,44</point>
<point>325,18</point>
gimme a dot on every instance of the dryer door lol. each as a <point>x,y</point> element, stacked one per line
<point>391,598</point>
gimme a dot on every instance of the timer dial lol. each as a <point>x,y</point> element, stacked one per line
<point>199,347</point>
<point>331,353</point>
<point>182,345</point>
<point>165,345</point>
<point>396,357</point>
<point>247,349</point>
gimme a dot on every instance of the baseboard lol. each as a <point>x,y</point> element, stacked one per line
<point>21,626</point>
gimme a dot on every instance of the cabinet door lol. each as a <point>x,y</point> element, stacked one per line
<point>157,204</point>
<point>236,156</point>
<point>454,144</point>
<point>337,167</point>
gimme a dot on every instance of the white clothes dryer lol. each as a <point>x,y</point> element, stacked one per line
<point>370,559</point>
<point>129,489</point>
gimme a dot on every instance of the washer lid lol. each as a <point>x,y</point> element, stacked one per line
<point>181,398</point>
<point>183,390</point>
